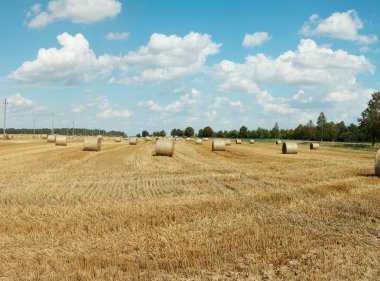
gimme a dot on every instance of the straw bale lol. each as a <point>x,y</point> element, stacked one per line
<point>133,141</point>
<point>92,144</point>
<point>51,138</point>
<point>377,164</point>
<point>61,140</point>
<point>218,145</point>
<point>164,148</point>
<point>289,148</point>
<point>314,146</point>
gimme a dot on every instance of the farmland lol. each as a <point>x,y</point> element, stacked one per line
<point>249,212</point>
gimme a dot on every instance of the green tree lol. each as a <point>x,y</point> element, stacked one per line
<point>263,133</point>
<point>309,133</point>
<point>233,134</point>
<point>200,133</point>
<point>331,131</point>
<point>321,124</point>
<point>251,134</point>
<point>180,133</point>
<point>173,132</point>
<point>243,132</point>
<point>287,134</point>
<point>299,132</point>
<point>145,133</point>
<point>370,118</point>
<point>220,134</point>
<point>189,132</point>
<point>275,132</point>
<point>208,132</point>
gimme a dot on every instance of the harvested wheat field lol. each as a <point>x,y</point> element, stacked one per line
<point>249,212</point>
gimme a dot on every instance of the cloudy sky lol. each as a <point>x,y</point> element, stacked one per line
<point>136,64</point>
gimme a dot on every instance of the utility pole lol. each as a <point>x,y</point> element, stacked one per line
<point>5,117</point>
<point>72,133</point>
<point>52,123</point>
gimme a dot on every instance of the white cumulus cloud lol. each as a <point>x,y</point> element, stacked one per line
<point>301,97</point>
<point>225,102</point>
<point>20,105</point>
<point>318,68</point>
<point>17,100</point>
<point>272,104</point>
<point>345,26</point>
<point>184,102</point>
<point>101,107</point>
<point>117,36</point>
<point>166,57</point>
<point>323,78</point>
<point>77,108</point>
<point>77,11</point>
<point>341,96</point>
<point>255,39</point>
<point>114,113</point>
<point>73,63</point>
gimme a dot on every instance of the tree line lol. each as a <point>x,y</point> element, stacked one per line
<point>64,131</point>
<point>367,129</point>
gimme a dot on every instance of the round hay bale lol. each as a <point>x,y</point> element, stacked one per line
<point>164,148</point>
<point>206,139</point>
<point>238,141</point>
<point>218,145</point>
<point>44,136</point>
<point>199,141</point>
<point>133,141</point>
<point>314,146</point>
<point>188,139</point>
<point>100,137</point>
<point>147,138</point>
<point>278,142</point>
<point>118,139</point>
<point>377,164</point>
<point>51,138</point>
<point>227,142</point>
<point>92,144</point>
<point>289,148</point>
<point>61,140</point>
<point>251,141</point>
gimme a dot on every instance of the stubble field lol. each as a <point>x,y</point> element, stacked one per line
<point>247,213</point>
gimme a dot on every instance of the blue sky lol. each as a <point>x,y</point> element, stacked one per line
<point>134,65</point>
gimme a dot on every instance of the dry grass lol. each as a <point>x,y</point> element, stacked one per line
<point>247,213</point>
